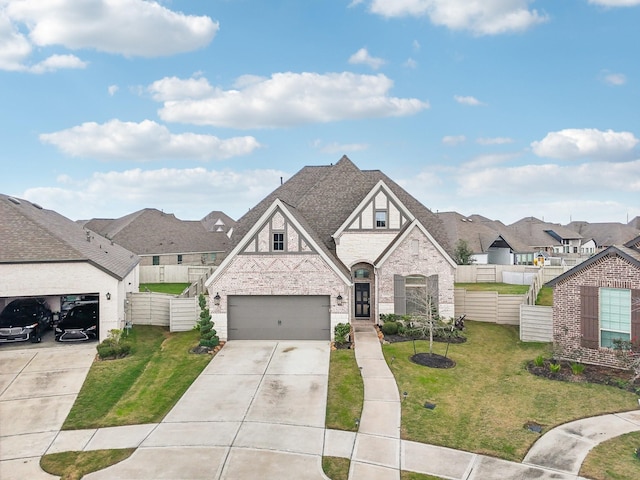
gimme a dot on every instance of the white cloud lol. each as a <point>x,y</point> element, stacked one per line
<point>615,3</point>
<point>488,160</point>
<point>479,17</point>
<point>613,79</point>
<point>573,143</point>
<point>362,56</point>
<point>144,141</point>
<point>15,46</point>
<point>468,100</point>
<point>339,148</point>
<point>113,89</point>
<point>494,140</point>
<point>126,27</point>
<point>452,140</point>
<point>410,63</point>
<point>285,99</point>
<point>57,62</point>
<point>188,193</point>
<point>177,89</point>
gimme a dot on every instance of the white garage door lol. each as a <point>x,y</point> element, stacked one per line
<point>278,317</point>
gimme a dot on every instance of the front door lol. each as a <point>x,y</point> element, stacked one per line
<point>362,300</point>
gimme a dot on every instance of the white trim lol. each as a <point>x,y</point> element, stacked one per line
<point>370,197</point>
<point>398,240</point>
<point>257,226</point>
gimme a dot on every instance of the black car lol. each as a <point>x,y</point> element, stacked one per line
<point>25,319</point>
<point>80,323</point>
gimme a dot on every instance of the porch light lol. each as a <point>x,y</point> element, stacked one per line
<point>339,299</point>
<point>108,296</point>
<point>216,299</point>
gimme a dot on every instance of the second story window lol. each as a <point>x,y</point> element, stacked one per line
<point>381,219</point>
<point>179,259</point>
<point>278,242</point>
<point>155,260</point>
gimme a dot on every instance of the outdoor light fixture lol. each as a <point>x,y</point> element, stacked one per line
<point>357,420</point>
<point>108,296</point>
<point>404,395</point>
<point>339,299</point>
<point>216,299</point>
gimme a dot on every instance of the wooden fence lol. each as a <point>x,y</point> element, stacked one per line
<point>536,323</point>
<point>149,308</point>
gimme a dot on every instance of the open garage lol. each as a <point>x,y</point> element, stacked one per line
<point>279,317</point>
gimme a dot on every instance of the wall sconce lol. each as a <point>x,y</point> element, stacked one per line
<point>216,299</point>
<point>108,296</point>
<point>339,299</point>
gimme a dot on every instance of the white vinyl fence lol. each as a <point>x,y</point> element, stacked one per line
<point>536,323</point>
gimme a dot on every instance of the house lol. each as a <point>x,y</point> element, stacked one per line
<point>160,238</point>
<point>44,254</point>
<point>331,245</point>
<point>489,243</point>
<point>596,302</point>
<point>603,234</point>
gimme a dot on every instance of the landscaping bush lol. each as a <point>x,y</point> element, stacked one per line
<point>340,331</point>
<point>208,336</point>
<point>389,328</point>
<point>114,346</point>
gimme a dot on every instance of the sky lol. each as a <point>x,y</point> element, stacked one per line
<point>502,108</point>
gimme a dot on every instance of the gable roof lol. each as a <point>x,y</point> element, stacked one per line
<point>325,196</point>
<point>629,254</point>
<point>479,232</point>
<point>537,233</point>
<point>152,232</point>
<point>32,234</point>
<point>605,234</point>
<point>217,221</point>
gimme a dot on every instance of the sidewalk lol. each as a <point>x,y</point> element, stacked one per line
<point>379,454</point>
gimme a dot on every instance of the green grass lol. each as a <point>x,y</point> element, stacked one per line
<point>406,475</point>
<point>75,465</point>
<point>142,387</point>
<point>501,288</point>
<point>172,288</point>
<point>336,468</point>
<point>345,392</point>
<point>614,459</point>
<point>483,403</point>
<point>545,297</point>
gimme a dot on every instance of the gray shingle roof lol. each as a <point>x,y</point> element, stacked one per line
<point>30,233</point>
<point>152,232</point>
<point>537,233</point>
<point>325,196</point>
<point>605,234</point>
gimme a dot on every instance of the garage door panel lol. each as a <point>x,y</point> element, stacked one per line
<point>278,317</point>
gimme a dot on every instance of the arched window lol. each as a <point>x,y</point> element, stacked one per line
<point>361,273</point>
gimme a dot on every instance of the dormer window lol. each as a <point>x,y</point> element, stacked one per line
<point>381,219</point>
<point>278,242</point>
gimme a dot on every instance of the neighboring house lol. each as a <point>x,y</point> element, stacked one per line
<point>603,235</point>
<point>488,244</point>
<point>162,239</point>
<point>332,244</point>
<point>596,302</point>
<point>551,238</point>
<point>44,254</point>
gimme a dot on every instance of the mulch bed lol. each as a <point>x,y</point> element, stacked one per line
<point>591,374</point>
<point>403,338</point>
<point>432,360</point>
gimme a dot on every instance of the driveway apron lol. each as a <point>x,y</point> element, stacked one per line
<point>258,409</point>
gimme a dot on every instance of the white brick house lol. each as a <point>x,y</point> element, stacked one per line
<point>332,244</point>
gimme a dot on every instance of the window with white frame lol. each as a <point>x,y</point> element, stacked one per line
<point>615,315</point>
<point>381,219</point>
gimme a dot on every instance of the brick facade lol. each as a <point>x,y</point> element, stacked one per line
<point>278,274</point>
<point>416,255</point>
<point>610,271</point>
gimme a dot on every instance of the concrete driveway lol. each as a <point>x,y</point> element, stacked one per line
<point>258,410</point>
<point>38,385</point>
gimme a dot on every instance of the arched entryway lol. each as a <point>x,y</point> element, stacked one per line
<point>363,278</point>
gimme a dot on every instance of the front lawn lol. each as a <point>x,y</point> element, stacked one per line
<point>345,392</point>
<point>484,402</point>
<point>599,465</point>
<point>142,387</point>
<point>501,288</point>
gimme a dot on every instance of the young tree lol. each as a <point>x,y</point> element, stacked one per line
<point>462,253</point>
<point>424,315</point>
<point>208,336</point>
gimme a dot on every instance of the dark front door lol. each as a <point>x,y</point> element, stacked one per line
<point>362,300</point>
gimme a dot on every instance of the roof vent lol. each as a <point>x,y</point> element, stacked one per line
<point>88,234</point>
<point>14,200</point>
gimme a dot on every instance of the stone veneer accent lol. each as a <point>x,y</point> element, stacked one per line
<point>278,274</point>
<point>421,258</point>
<point>611,271</point>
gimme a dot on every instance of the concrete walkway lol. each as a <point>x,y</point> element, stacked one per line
<point>259,407</point>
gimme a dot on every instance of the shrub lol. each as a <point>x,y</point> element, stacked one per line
<point>340,331</point>
<point>554,367</point>
<point>208,336</point>
<point>114,346</point>
<point>538,361</point>
<point>577,368</point>
<point>389,328</point>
